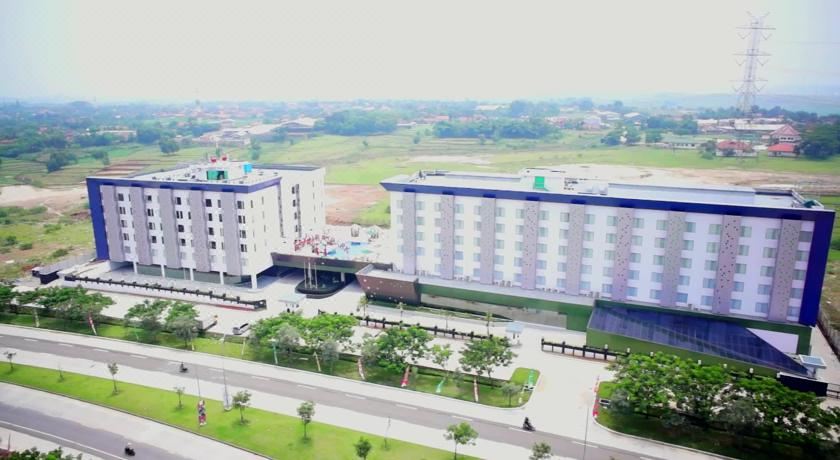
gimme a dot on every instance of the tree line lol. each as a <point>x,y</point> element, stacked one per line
<point>358,123</point>
<point>532,128</point>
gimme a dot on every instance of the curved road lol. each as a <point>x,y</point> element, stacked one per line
<point>499,432</point>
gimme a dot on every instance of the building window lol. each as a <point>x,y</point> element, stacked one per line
<point>499,260</point>
<point>793,311</point>
<point>560,283</point>
<point>711,265</point>
<point>419,236</point>
<point>635,257</point>
<point>588,236</point>
<point>520,213</point>
<point>519,229</point>
<point>477,226</point>
<point>561,267</point>
<point>590,219</point>
<point>656,277</point>
<point>661,224</point>
<point>151,225</point>
<point>655,294</point>
<point>212,245</point>
<point>437,237</point>
<point>121,210</point>
<point>517,261</point>
<point>637,240</point>
<point>564,217</point>
<point>659,260</point>
<point>459,240</point>
<point>459,208</point>
<point>438,223</point>
<point>587,253</point>
<point>632,291</point>
<point>689,227</point>
<point>610,237</point>
<point>709,283</point>
<point>420,251</point>
<point>476,257</point>
<point>477,241</point>
<point>688,245</point>
<point>638,222</point>
<point>608,271</point>
<point>611,221</point>
<point>542,248</point>
<point>684,280</point>
<point>500,212</point>
<point>419,205</point>
<point>498,276</point>
<point>208,202</point>
<point>149,198</point>
<point>125,237</point>
<point>707,300</point>
<point>585,286</point>
<point>769,253</point>
<point>734,304</point>
<point>240,204</point>
<point>120,197</point>
<point>242,234</point>
<point>564,234</point>
<point>459,225</point>
<point>714,229</point>
<point>682,297</point>
<point>802,256</point>
<point>561,250</point>
<point>799,275</point>
<point>209,217</point>
<point>419,220</point>
<point>633,274</point>
<point>182,242</point>
<point>459,255</point>
<point>477,210</point>
<point>805,237</point>
<point>543,215</point>
<point>740,268</point>
<point>500,228</point>
<point>712,248</point>
<point>767,271</point>
<point>746,232</point>
<point>178,200</point>
<point>241,219</point>
<point>541,264</point>
<point>517,245</point>
<point>738,286</point>
<point>659,242</point>
<point>606,288</point>
<point>772,234</point>
<point>243,248</point>
<point>541,280</point>
<point>543,231</point>
<point>609,255</point>
<point>127,249</point>
<point>586,269</point>
<point>179,214</point>
<point>762,307</point>
<point>220,218</point>
<point>764,289</point>
<point>685,262</point>
<point>154,239</point>
<point>150,212</point>
<point>437,253</point>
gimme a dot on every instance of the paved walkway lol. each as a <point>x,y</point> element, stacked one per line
<point>405,407</point>
<point>99,431</point>
<point>12,435</point>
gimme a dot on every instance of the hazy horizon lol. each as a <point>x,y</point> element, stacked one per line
<point>330,50</point>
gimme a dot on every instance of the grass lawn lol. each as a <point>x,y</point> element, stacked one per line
<point>427,380</point>
<point>715,441</point>
<point>271,434</point>
<point>378,214</point>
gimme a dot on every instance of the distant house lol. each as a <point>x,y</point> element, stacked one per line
<point>785,149</point>
<point>591,122</point>
<point>683,144</point>
<point>785,134</point>
<point>122,134</point>
<point>300,127</point>
<point>731,148</point>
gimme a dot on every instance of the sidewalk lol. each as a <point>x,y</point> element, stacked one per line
<point>569,423</point>
<point>175,441</point>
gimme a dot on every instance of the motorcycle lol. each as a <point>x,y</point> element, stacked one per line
<point>129,450</point>
<point>183,369</point>
<point>526,425</point>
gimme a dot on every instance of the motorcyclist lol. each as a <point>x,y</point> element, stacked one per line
<point>129,449</point>
<point>183,368</point>
<point>527,425</point>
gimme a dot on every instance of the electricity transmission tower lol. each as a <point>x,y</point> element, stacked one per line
<point>754,33</point>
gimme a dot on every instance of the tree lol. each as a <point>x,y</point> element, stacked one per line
<point>363,448</point>
<point>147,315</point>
<point>484,355</point>
<point>182,320</point>
<point>653,136</point>
<point>7,297</point>
<point>460,434</point>
<point>363,304</point>
<point>180,392</point>
<point>358,123</point>
<point>739,416</point>
<point>398,346</point>
<point>10,355</point>
<point>279,135</point>
<point>330,354</point>
<point>631,135</point>
<point>34,454</point>
<point>306,411</point>
<point>288,339</point>
<point>708,150</point>
<point>59,159</point>
<point>323,328</point>
<point>416,139</point>
<point>440,355</point>
<point>821,141</point>
<point>540,451</point>
<point>612,138</point>
<point>368,351</point>
<point>168,145</point>
<point>113,369</point>
<point>510,389</point>
<point>241,400</point>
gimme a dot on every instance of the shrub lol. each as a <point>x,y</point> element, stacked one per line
<point>59,253</point>
<point>25,246</point>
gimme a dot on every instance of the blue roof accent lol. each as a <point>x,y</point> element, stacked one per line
<point>97,217</point>
<point>702,335</point>
<point>815,274</point>
<point>205,187</point>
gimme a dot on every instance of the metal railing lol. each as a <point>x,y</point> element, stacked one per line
<point>597,353</point>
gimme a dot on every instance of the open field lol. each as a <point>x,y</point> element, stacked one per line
<point>271,434</point>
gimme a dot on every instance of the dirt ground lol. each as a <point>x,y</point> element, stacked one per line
<point>56,200</point>
<point>345,202</point>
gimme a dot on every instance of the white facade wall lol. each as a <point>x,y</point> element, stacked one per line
<point>701,242</point>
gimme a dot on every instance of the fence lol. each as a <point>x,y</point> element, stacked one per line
<point>385,324</point>
<point>255,304</point>
<point>831,334</point>
<point>597,353</point>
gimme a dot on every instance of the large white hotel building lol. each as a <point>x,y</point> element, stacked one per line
<point>731,251</point>
<point>218,221</point>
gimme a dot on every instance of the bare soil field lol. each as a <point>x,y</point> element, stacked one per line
<point>345,202</point>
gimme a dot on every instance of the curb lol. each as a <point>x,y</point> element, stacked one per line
<point>272,366</point>
<point>662,443</point>
<point>244,449</point>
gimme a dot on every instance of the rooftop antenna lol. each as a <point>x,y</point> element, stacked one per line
<point>754,33</point>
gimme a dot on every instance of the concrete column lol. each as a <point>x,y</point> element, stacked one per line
<point>488,240</point>
<point>222,278</point>
<point>201,251</point>
<point>447,236</point>
<point>134,265</point>
<point>253,281</point>
<point>162,271</point>
<point>623,249</point>
<point>141,226</point>
<point>409,232</point>
<point>530,232</point>
<point>727,252</point>
<point>675,229</point>
<point>167,222</point>
<point>230,232</point>
<point>343,277</point>
<point>574,248</point>
<point>784,269</point>
<point>192,274</point>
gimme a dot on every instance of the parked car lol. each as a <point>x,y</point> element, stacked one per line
<point>207,322</point>
<point>241,329</point>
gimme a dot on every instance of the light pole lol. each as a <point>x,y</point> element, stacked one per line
<point>274,347</point>
<point>225,399</point>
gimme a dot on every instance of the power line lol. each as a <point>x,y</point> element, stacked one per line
<point>754,33</point>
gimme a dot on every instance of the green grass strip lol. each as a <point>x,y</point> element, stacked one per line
<point>268,433</point>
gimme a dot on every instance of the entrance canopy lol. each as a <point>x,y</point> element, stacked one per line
<point>292,300</point>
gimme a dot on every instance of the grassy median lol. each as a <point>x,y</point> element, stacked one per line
<point>271,434</point>
<point>426,381</point>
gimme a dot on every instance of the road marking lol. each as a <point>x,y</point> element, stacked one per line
<point>587,445</point>
<point>65,345</point>
<point>517,429</point>
<point>354,396</point>
<point>406,407</point>
<point>138,356</point>
<point>644,458</point>
<point>65,440</point>
<point>307,387</point>
<point>100,350</point>
<point>258,377</point>
<point>214,369</point>
<point>462,418</point>
<point>173,362</point>
<point>30,340</point>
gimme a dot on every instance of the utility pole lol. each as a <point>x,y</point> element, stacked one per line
<point>225,397</point>
<point>754,33</point>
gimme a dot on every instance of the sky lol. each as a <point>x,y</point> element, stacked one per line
<point>391,49</point>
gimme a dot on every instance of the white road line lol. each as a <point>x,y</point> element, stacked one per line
<point>138,356</point>
<point>644,458</point>
<point>354,396</point>
<point>100,350</point>
<point>30,340</point>
<point>307,387</point>
<point>214,369</point>
<point>258,377</point>
<point>517,429</point>
<point>173,362</point>
<point>462,418</point>
<point>406,407</point>
<point>587,445</point>
<point>65,440</point>
<point>65,345</point>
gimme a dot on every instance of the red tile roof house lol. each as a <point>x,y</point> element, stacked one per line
<point>784,149</point>
<point>785,134</point>
<point>730,148</point>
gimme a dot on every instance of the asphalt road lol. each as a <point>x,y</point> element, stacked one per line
<point>63,432</point>
<point>499,432</point>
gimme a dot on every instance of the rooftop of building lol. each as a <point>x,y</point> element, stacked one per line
<point>221,171</point>
<point>556,182</point>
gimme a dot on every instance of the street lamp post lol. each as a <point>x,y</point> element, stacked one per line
<point>274,347</point>
<point>225,398</point>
